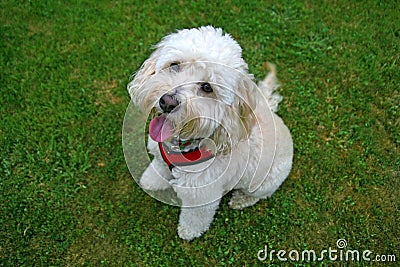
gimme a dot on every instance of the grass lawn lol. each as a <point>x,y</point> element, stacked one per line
<point>67,197</point>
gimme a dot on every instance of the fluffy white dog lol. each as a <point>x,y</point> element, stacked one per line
<point>213,129</point>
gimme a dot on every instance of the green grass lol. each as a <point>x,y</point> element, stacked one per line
<point>66,195</point>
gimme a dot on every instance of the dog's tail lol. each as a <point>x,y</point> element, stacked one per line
<point>268,87</point>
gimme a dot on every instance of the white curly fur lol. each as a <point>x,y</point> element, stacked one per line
<point>252,146</point>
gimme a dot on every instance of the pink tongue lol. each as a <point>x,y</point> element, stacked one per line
<point>160,129</point>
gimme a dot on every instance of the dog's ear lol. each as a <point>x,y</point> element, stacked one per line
<point>247,105</point>
<point>239,118</point>
<point>247,99</point>
<point>250,94</point>
<point>147,69</point>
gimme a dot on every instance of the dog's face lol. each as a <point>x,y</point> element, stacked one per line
<point>197,82</point>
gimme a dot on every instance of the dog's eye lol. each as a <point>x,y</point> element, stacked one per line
<point>206,87</point>
<point>174,66</point>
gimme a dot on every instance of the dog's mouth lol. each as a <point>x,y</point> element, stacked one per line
<point>160,128</point>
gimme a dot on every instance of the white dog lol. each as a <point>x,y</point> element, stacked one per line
<point>213,130</point>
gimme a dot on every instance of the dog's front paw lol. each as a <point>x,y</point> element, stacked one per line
<point>188,233</point>
<point>193,222</point>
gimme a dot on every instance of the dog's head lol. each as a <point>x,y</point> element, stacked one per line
<point>199,86</point>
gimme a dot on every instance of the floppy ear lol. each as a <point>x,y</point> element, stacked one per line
<point>239,118</point>
<point>247,105</point>
<point>141,77</point>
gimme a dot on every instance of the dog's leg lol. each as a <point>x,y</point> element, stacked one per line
<point>199,199</point>
<point>194,221</point>
<point>240,200</point>
<point>156,176</point>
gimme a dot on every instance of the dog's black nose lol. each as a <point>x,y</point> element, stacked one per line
<point>168,103</point>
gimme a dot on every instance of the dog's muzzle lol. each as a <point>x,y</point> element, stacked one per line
<point>168,103</point>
